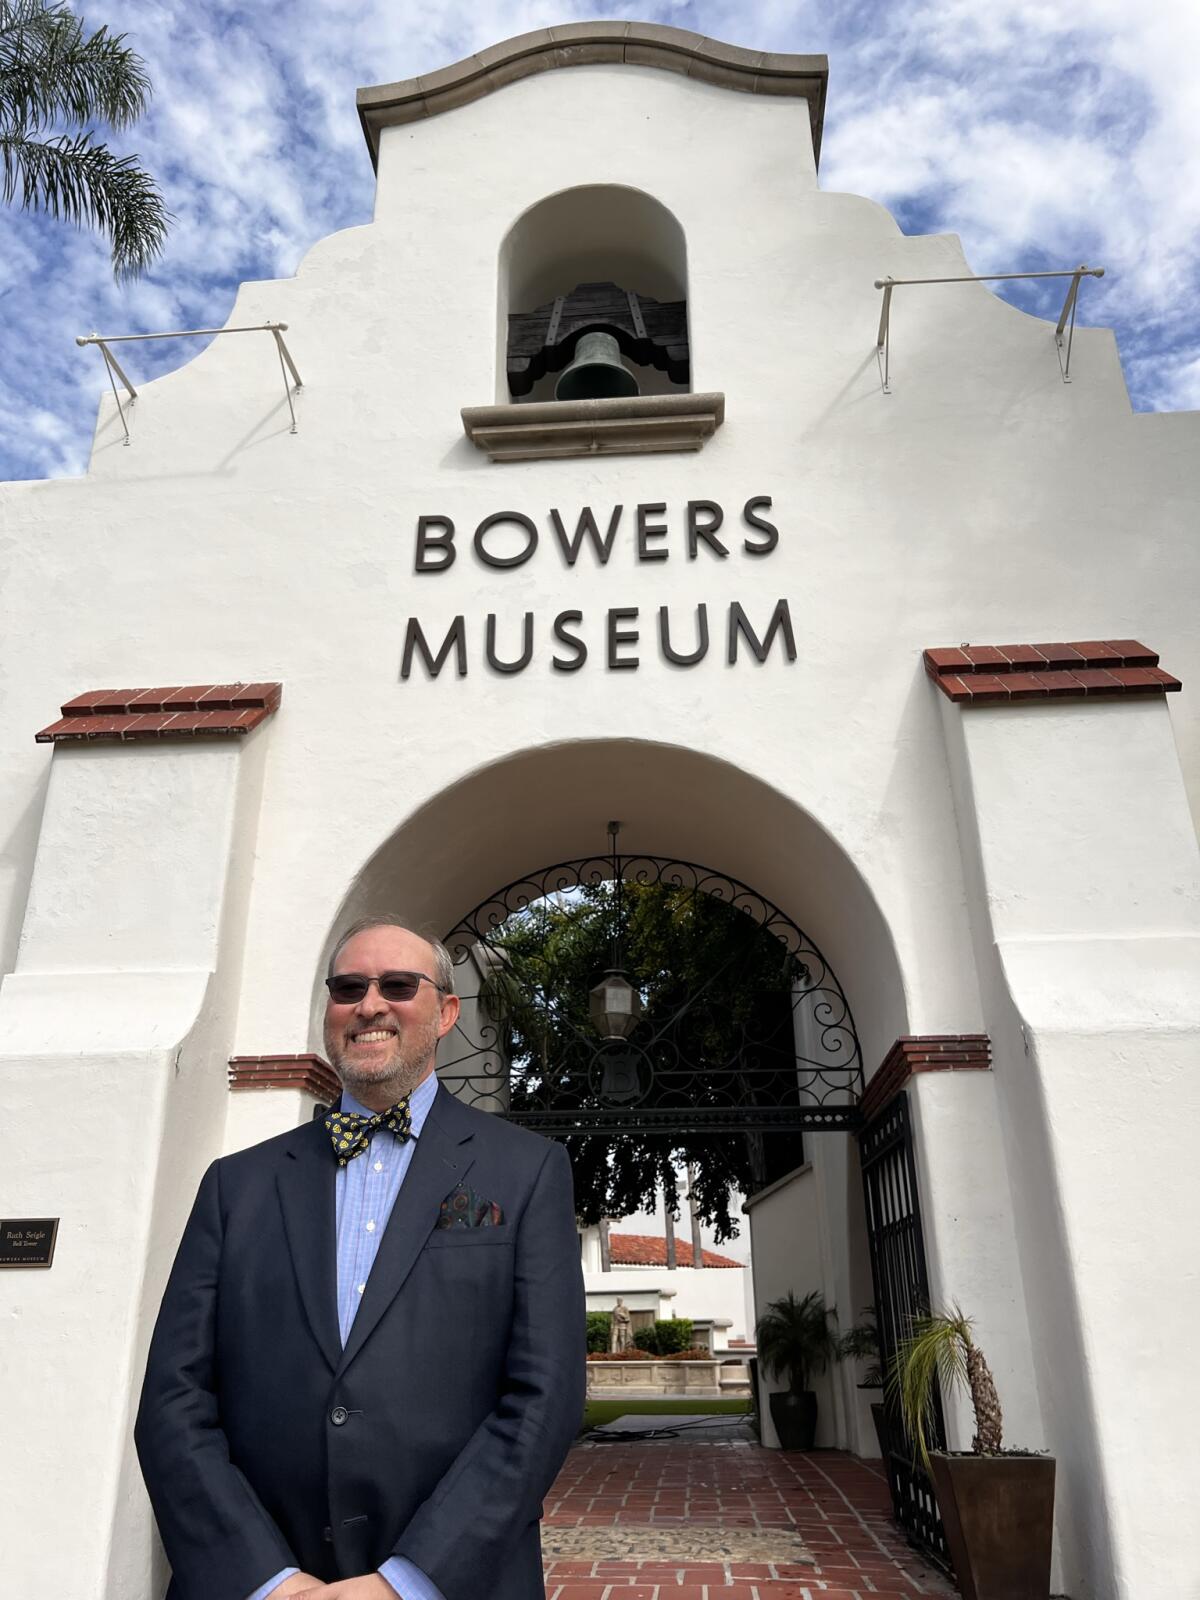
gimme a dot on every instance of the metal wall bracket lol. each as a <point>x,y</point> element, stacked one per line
<point>1066,320</point>
<point>115,371</point>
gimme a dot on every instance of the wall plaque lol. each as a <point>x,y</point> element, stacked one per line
<point>27,1241</point>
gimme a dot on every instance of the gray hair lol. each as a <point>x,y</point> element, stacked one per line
<point>443,966</point>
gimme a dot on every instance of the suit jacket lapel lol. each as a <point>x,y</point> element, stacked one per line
<point>305,1181</point>
<point>441,1159</point>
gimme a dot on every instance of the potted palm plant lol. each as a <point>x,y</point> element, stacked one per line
<point>997,1505</point>
<point>861,1343</point>
<point>796,1341</point>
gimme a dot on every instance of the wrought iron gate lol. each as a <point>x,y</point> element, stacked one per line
<point>901,1292</point>
<point>524,1045</point>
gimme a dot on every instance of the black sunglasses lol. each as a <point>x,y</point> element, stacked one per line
<point>347,988</point>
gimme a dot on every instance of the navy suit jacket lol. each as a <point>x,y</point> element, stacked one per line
<point>434,1434</point>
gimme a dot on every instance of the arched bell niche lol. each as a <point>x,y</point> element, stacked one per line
<point>592,234</point>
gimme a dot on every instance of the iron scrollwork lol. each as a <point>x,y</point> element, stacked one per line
<point>789,1059</point>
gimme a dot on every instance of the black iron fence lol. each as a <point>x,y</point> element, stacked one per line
<point>901,1292</point>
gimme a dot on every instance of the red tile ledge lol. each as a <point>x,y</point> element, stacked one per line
<point>1001,674</point>
<point>312,1074</point>
<point>931,1052</point>
<point>192,711</point>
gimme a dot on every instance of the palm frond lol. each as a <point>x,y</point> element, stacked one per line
<point>50,71</point>
<point>81,181</point>
<point>862,1340</point>
<point>934,1353</point>
<point>861,1343</point>
<point>19,17</point>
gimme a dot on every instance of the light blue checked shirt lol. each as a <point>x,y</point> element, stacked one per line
<point>366,1192</point>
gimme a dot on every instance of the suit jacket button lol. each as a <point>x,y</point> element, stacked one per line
<point>327,1535</point>
<point>338,1415</point>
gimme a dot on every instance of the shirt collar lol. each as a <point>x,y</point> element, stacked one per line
<point>418,1105</point>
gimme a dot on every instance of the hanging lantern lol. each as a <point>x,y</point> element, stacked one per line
<point>614,1006</point>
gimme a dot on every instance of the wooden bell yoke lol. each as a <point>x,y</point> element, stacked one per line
<point>651,333</point>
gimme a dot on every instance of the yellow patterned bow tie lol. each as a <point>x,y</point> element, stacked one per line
<point>351,1133</point>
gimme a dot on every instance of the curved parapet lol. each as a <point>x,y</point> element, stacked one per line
<point>585,44</point>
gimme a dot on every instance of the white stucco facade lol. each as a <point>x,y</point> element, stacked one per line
<point>1026,871</point>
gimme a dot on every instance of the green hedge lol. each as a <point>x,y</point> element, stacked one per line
<point>665,1338</point>
<point>599,1331</point>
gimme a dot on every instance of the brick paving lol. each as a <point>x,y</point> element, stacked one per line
<point>837,1504</point>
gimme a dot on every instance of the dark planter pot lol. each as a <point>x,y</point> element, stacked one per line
<point>998,1513</point>
<point>755,1417</point>
<point>755,1393</point>
<point>795,1419</point>
<point>879,1418</point>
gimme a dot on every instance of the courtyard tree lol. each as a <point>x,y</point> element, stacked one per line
<point>57,84</point>
<point>715,1034</point>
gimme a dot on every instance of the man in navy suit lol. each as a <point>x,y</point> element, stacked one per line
<point>369,1362</point>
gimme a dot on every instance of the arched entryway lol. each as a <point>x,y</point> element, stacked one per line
<point>509,822</point>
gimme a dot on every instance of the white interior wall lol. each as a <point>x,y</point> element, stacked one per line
<point>786,1241</point>
<point>847,1277</point>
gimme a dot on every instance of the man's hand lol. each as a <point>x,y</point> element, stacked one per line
<point>369,1587</point>
<point>298,1583</point>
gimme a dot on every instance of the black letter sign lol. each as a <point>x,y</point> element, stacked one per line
<point>586,528</point>
<point>415,640</point>
<point>505,561</point>
<point>697,530</point>
<point>431,544</point>
<point>617,636</point>
<point>526,655</point>
<point>761,523</point>
<point>677,657</point>
<point>571,640</point>
<point>781,622</point>
<point>647,530</point>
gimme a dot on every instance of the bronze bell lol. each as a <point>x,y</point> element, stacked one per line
<point>596,371</point>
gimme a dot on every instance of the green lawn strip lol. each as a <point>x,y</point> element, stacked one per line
<point>596,1412</point>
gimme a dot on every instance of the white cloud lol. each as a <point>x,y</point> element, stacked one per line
<point>1041,134</point>
<point>1044,136</point>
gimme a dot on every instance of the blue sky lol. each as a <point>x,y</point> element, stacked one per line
<point>1041,132</point>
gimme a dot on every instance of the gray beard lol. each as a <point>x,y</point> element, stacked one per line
<point>407,1068</point>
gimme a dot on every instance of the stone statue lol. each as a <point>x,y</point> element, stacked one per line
<point>620,1337</point>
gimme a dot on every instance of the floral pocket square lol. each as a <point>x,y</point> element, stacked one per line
<point>463,1208</point>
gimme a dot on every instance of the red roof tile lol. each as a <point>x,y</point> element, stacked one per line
<point>648,1250</point>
